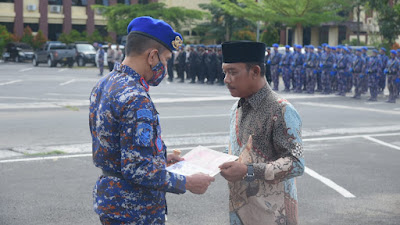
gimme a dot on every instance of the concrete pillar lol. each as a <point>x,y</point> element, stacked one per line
<point>298,35</point>
<point>333,37</point>
<point>19,17</point>
<point>90,14</point>
<point>67,25</point>
<point>315,36</point>
<point>134,2</point>
<point>282,38</point>
<point>43,24</point>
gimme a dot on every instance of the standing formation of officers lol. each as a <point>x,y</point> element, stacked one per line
<point>325,69</point>
<point>336,70</point>
<point>201,63</point>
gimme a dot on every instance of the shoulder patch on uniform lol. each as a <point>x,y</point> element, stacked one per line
<point>144,134</point>
<point>144,113</point>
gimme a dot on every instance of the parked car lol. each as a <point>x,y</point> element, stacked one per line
<point>53,53</point>
<point>85,53</point>
<point>105,48</point>
<point>18,52</point>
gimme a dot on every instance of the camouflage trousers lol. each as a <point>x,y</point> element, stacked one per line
<point>286,75</point>
<point>298,78</point>
<point>275,76</point>
<point>373,84</point>
<point>326,81</point>
<point>311,78</point>
<point>357,82</point>
<point>392,86</point>
<point>342,82</point>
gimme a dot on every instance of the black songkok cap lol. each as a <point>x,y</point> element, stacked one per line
<point>243,51</point>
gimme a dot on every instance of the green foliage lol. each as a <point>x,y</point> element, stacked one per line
<point>39,40</point>
<point>220,25</point>
<point>95,37</point>
<point>72,37</point>
<point>244,35</point>
<point>5,37</point>
<point>289,12</point>
<point>353,42</point>
<point>270,36</point>
<point>120,15</point>
<point>27,36</point>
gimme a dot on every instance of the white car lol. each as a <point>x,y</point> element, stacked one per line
<point>105,48</point>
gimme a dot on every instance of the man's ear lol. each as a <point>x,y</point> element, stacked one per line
<point>152,58</point>
<point>256,70</point>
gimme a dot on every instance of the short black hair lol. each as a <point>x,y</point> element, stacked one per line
<point>137,43</point>
<point>252,64</point>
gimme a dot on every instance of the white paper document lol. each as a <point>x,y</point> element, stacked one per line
<point>201,160</point>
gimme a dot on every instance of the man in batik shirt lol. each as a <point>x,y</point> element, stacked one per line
<point>126,132</point>
<point>265,132</point>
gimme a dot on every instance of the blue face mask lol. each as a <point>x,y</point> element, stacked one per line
<point>158,73</point>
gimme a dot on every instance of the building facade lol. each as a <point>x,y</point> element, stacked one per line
<point>54,17</point>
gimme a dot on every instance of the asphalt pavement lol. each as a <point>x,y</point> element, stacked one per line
<point>352,150</point>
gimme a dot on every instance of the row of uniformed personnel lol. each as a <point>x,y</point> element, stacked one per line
<point>336,69</point>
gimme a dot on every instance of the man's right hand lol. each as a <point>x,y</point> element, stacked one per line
<point>198,183</point>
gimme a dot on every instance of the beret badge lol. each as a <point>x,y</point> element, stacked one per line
<point>177,42</point>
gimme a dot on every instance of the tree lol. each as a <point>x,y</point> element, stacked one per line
<point>388,18</point>
<point>5,38</point>
<point>220,25</point>
<point>120,15</point>
<point>72,37</point>
<point>39,40</point>
<point>293,13</point>
<point>27,36</point>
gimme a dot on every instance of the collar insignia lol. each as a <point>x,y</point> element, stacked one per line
<point>177,42</point>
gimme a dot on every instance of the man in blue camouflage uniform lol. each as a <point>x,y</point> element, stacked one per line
<point>364,78</point>
<point>126,132</point>
<point>382,76</point>
<point>326,64</point>
<point>374,65</point>
<point>352,57</point>
<point>358,70</point>
<point>285,64</point>
<point>333,79</point>
<point>311,65</point>
<point>319,85</point>
<point>100,59</point>
<point>297,64</point>
<point>392,72</point>
<point>274,62</point>
<point>342,66</point>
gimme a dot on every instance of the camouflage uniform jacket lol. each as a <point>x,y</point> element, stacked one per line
<point>126,139</point>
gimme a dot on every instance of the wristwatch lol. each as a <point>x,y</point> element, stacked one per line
<point>250,173</point>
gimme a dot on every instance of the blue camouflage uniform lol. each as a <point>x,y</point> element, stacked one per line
<point>333,73</point>
<point>311,65</point>
<point>297,64</point>
<point>274,62</point>
<point>364,78</point>
<point>285,64</point>
<point>342,67</point>
<point>100,59</point>
<point>326,63</point>
<point>319,70</point>
<point>392,72</point>
<point>382,76</point>
<point>374,65</point>
<point>358,70</point>
<point>127,144</point>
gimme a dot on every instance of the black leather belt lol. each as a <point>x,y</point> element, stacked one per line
<point>112,174</point>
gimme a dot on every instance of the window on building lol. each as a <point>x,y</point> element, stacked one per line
<point>55,2</point>
<point>34,26</point>
<point>79,2</point>
<point>7,1</point>
<point>126,2</point>
<point>55,30</point>
<point>143,1</point>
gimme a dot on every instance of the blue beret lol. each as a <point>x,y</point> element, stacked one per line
<point>319,47</point>
<point>324,44</point>
<point>358,49</point>
<point>376,51</point>
<point>287,46</point>
<point>398,50</point>
<point>100,45</point>
<point>383,49</point>
<point>158,30</point>
<point>339,47</point>
<point>311,46</point>
<point>393,52</point>
<point>346,49</point>
<point>333,48</point>
<point>365,48</point>
<point>243,51</point>
<point>275,45</point>
<point>350,48</point>
<point>298,46</point>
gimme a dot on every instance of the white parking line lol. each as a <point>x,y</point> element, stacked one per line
<point>24,70</point>
<point>10,82</point>
<point>67,82</point>
<point>350,107</point>
<point>329,183</point>
<point>381,142</point>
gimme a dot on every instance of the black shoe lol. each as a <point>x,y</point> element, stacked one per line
<point>192,82</point>
<point>391,101</point>
<point>372,100</point>
<point>181,81</point>
<point>200,81</point>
